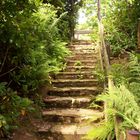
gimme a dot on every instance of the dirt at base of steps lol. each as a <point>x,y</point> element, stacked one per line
<point>23,134</point>
<point>26,129</point>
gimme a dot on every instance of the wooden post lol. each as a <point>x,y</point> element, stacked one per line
<point>132,135</point>
<point>99,10</point>
<point>139,34</point>
<point>107,68</point>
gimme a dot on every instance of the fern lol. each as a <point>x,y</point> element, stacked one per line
<point>134,69</point>
<point>102,132</point>
<point>120,103</point>
<point>123,102</point>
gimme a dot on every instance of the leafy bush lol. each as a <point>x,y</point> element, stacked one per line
<point>119,73</point>
<point>128,74</point>
<point>134,76</point>
<point>32,47</point>
<point>12,107</point>
<point>120,21</point>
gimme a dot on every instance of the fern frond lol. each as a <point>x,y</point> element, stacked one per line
<point>101,132</point>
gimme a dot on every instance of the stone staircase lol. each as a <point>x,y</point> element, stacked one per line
<point>67,102</point>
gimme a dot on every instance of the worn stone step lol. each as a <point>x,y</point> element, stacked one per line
<point>81,47</point>
<point>81,56</point>
<point>70,115</point>
<point>74,91</point>
<point>82,62</point>
<point>67,102</point>
<point>79,53</point>
<point>84,50</point>
<point>75,83</point>
<point>80,68</point>
<point>74,75</point>
<point>53,131</point>
<point>82,42</point>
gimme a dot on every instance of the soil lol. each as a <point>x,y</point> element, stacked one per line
<point>26,130</point>
<point>121,59</point>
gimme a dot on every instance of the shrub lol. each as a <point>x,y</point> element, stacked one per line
<point>12,107</point>
<point>32,47</point>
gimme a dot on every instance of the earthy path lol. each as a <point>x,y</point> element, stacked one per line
<point>67,102</point>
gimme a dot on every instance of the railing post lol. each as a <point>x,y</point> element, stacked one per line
<point>138,33</point>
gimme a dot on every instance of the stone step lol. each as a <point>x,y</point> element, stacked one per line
<point>80,68</point>
<point>75,83</point>
<point>75,49</point>
<point>86,46</point>
<point>82,42</point>
<point>80,57</point>
<point>79,53</point>
<point>67,102</point>
<point>74,91</point>
<point>81,63</point>
<point>53,131</point>
<point>79,50</point>
<point>68,116</point>
<point>74,75</point>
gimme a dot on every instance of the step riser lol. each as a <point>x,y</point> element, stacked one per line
<point>80,54</point>
<point>55,136</point>
<point>84,57</point>
<point>81,64</point>
<point>83,43</point>
<point>74,76</point>
<point>62,119</point>
<point>72,69</point>
<point>73,93</point>
<point>67,104</point>
<point>79,51</point>
<point>75,84</point>
<point>81,48</point>
<point>67,119</point>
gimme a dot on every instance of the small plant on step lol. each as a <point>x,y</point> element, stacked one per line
<point>80,76</point>
<point>78,66</point>
<point>77,63</point>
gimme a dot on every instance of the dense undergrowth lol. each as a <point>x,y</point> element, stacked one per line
<point>122,110</point>
<point>33,39</point>
<point>120,20</point>
<point>122,101</point>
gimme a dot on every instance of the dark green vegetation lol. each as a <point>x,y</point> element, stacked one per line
<point>33,36</point>
<point>120,20</point>
<point>122,100</point>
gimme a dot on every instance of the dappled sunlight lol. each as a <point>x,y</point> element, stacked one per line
<point>70,70</point>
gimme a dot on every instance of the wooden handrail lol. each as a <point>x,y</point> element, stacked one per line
<point>83,31</point>
<point>138,34</point>
<point>106,67</point>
